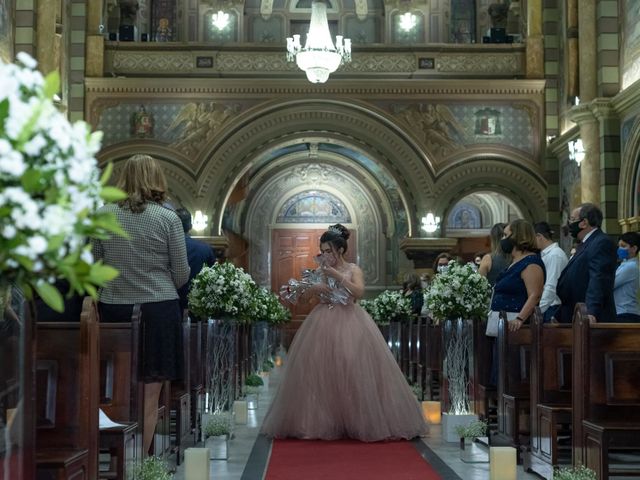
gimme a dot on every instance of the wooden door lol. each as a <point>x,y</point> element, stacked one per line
<point>292,251</point>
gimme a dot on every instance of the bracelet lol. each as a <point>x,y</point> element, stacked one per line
<point>520,318</point>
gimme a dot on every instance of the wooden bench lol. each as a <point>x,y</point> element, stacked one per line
<point>551,357</point>
<point>181,395</point>
<point>606,393</point>
<point>67,397</point>
<point>433,357</point>
<point>514,351</point>
<point>121,394</point>
<point>196,376</point>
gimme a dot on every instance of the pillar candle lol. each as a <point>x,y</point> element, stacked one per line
<point>240,410</point>
<point>196,463</point>
<point>278,361</point>
<point>502,463</point>
<point>431,412</point>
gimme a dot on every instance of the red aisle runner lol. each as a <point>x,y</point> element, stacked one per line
<point>347,460</point>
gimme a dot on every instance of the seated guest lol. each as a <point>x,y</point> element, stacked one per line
<point>554,260</point>
<point>413,290</point>
<point>199,254</point>
<point>441,263</point>
<point>625,288</point>
<point>588,277</point>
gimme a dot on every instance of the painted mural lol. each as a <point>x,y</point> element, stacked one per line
<point>314,207</point>
<point>464,216</point>
<point>630,42</point>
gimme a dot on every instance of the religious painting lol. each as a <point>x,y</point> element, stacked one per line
<point>487,122</point>
<point>142,123</point>
<point>464,216</point>
<point>630,16</point>
<point>6,30</point>
<point>266,31</point>
<point>314,207</point>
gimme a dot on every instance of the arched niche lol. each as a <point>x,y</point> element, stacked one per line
<point>475,214</point>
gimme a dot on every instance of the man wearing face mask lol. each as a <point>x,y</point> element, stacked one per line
<point>625,290</point>
<point>589,275</point>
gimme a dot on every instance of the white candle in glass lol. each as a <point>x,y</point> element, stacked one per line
<point>502,463</point>
<point>241,411</point>
<point>196,463</point>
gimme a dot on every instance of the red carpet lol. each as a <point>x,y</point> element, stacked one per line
<point>347,460</point>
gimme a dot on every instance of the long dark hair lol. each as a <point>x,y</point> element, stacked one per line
<point>337,236</point>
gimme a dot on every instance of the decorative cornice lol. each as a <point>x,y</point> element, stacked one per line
<point>581,114</point>
<point>559,146</point>
<point>493,64</point>
<point>427,244</point>
<point>627,100</point>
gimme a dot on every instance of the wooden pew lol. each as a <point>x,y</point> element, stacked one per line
<point>514,350</point>
<point>121,394</point>
<point>181,395</point>
<point>551,357</point>
<point>196,375</point>
<point>483,393</point>
<point>67,397</point>
<point>17,391</point>
<point>433,383</point>
<point>606,393</point>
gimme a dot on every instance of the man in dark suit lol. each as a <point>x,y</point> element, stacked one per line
<point>199,254</point>
<point>589,275</point>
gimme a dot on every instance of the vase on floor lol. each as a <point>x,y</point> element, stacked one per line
<point>472,451</point>
<point>218,447</point>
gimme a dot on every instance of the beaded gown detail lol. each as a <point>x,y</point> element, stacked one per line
<point>341,381</point>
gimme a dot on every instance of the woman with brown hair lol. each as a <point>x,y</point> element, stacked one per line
<point>152,263</point>
<point>495,262</point>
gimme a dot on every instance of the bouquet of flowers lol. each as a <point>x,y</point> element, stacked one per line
<point>293,289</point>
<point>50,189</point>
<point>268,307</point>
<point>223,290</point>
<point>458,292</point>
<point>389,306</point>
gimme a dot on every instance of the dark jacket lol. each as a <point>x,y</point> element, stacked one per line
<point>588,278</point>
<point>199,254</point>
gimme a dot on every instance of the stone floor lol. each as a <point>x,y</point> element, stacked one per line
<point>241,467</point>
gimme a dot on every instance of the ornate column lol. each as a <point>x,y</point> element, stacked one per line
<point>590,166</point>
<point>48,57</point>
<point>587,40</point>
<point>535,40</point>
<point>572,48</point>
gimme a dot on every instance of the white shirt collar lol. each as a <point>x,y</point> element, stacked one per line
<point>588,235</point>
<point>546,250</point>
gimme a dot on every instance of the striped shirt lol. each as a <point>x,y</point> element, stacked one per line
<point>152,262</point>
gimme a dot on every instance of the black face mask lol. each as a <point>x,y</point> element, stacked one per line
<point>574,228</point>
<point>507,244</point>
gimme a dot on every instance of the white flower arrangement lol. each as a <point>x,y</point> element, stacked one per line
<point>50,189</point>
<point>268,308</point>
<point>458,292</point>
<point>389,306</point>
<point>223,290</point>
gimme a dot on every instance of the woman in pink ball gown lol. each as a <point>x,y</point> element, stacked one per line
<point>341,380</point>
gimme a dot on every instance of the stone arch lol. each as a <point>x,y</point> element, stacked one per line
<point>630,175</point>
<point>231,155</point>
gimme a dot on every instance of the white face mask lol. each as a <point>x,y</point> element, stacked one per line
<point>442,268</point>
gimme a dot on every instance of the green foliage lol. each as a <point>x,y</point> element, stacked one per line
<point>151,468</point>
<point>266,306</point>
<point>267,365</point>
<point>417,391</point>
<point>473,430</point>
<point>389,306</point>
<point>253,380</point>
<point>218,424</point>
<point>576,473</point>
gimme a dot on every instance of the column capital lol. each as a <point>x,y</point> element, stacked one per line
<point>603,108</point>
<point>582,114</point>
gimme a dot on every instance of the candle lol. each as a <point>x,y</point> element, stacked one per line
<point>431,412</point>
<point>502,463</point>
<point>240,410</point>
<point>196,463</point>
<point>278,361</point>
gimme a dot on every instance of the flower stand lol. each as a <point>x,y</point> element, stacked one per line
<point>218,447</point>
<point>451,421</point>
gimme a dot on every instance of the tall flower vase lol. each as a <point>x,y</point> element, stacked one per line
<point>218,447</point>
<point>260,344</point>
<point>221,350</point>
<point>456,364</point>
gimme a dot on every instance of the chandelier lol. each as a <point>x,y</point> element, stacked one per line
<point>220,20</point>
<point>319,57</point>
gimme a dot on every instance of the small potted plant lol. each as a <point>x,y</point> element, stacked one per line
<point>252,387</point>
<point>267,366</point>
<point>151,468</point>
<point>470,452</point>
<point>574,473</point>
<point>216,432</point>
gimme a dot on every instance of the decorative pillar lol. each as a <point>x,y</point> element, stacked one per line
<point>535,42</point>
<point>588,55</point>
<point>47,12</point>
<point>94,17</point>
<point>590,166</point>
<point>572,48</point>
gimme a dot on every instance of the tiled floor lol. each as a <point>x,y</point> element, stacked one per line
<point>245,436</point>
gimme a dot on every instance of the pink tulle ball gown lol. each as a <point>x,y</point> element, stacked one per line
<point>341,381</point>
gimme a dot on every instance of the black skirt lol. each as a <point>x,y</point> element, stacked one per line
<point>162,349</point>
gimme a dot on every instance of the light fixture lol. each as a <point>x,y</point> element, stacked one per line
<point>199,221</point>
<point>220,20</point>
<point>319,57</point>
<point>576,151</point>
<point>408,21</point>
<point>430,223</point>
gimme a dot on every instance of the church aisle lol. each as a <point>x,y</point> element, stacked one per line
<point>249,452</point>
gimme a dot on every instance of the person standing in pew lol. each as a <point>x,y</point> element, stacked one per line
<point>153,264</point>
<point>625,288</point>
<point>589,276</point>
<point>554,260</point>
<point>199,254</point>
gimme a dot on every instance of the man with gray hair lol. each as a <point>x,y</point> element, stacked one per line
<point>589,276</point>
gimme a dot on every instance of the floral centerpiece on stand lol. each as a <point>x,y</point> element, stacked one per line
<point>389,306</point>
<point>456,297</point>
<point>224,294</point>
<point>270,313</point>
<point>50,190</point>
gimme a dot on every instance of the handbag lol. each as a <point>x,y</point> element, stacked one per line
<point>494,319</point>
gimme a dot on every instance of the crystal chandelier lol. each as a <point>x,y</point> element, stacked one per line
<point>319,57</point>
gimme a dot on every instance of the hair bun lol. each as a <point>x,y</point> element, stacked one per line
<point>340,230</point>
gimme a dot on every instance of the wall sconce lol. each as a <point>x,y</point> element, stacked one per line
<point>576,151</point>
<point>408,21</point>
<point>199,221</point>
<point>220,20</point>
<point>430,223</point>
